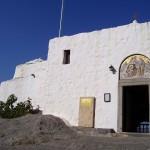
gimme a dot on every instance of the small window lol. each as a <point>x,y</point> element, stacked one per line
<point>66,59</point>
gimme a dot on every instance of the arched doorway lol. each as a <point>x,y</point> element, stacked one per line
<point>134,94</point>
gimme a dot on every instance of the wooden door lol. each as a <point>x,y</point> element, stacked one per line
<point>87,112</point>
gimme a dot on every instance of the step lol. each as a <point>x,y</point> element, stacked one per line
<point>94,131</point>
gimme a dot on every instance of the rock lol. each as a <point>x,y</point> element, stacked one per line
<point>33,129</point>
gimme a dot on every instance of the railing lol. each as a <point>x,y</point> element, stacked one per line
<point>144,127</point>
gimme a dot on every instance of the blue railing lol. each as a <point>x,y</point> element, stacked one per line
<point>144,127</point>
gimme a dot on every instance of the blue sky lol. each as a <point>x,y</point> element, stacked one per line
<point>27,25</point>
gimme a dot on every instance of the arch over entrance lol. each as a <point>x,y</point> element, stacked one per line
<point>134,94</point>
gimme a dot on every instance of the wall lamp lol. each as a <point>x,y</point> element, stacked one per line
<point>33,75</point>
<point>111,68</point>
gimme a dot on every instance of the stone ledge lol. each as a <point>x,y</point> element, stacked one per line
<point>94,131</point>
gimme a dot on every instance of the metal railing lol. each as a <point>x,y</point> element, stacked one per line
<point>144,127</point>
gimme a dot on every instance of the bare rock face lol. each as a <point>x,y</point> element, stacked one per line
<point>33,129</point>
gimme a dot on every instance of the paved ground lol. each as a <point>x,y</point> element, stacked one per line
<point>89,143</point>
<point>50,133</point>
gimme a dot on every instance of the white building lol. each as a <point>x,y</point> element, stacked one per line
<point>99,79</point>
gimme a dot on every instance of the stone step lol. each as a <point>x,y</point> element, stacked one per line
<point>94,131</point>
<point>102,132</point>
<point>133,134</point>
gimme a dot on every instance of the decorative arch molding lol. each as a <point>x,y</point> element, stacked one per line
<point>135,66</point>
<point>134,72</point>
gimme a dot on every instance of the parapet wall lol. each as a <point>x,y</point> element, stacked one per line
<point>28,82</point>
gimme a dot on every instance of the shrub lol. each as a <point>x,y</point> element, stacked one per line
<point>8,110</point>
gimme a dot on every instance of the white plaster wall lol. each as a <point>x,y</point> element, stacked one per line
<point>32,67</point>
<point>88,72</point>
<point>57,88</point>
<point>24,85</point>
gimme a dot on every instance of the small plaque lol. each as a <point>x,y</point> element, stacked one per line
<point>107,97</point>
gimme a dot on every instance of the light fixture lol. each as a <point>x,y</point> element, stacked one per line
<point>111,68</point>
<point>33,75</point>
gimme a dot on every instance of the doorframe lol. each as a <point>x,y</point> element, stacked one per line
<point>128,82</point>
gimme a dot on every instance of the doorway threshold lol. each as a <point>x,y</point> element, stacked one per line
<point>135,134</point>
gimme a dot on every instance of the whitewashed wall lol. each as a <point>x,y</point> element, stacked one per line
<point>57,88</point>
<point>88,72</point>
<point>24,85</point>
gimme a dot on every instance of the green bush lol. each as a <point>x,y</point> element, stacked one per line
<point>8,110</point>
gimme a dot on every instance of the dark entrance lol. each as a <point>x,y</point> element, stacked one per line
<point>135,107</point>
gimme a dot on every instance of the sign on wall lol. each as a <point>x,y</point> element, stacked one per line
<point>135,66</point>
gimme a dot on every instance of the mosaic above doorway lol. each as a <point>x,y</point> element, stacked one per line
<point>135,66</point>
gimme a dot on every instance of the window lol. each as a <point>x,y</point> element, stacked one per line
<point>66,59</point>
